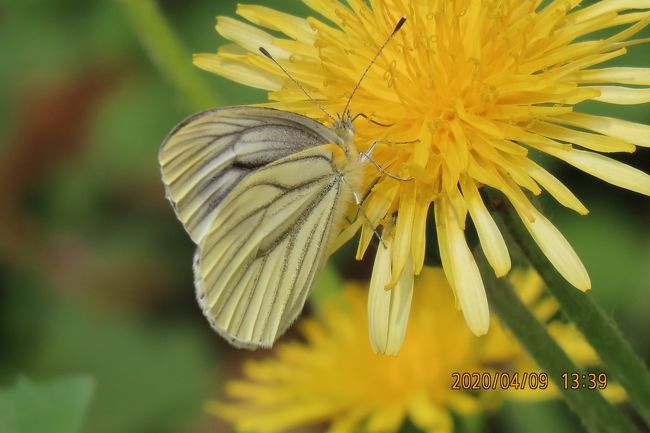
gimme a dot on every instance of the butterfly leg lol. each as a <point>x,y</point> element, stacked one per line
<point>359,201</point>
<point>370,120</point>
<point>366,156</point>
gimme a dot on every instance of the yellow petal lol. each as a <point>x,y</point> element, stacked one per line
<point>428,416</point>
<point>443,245</point>
<point>622,95</point>
<point>458,205</point>
<point>387,419</point>
<point>480,123</point>
<point>297,48</point>
<point>347,422</point>
<point>605,168</point>
<point>376,206</point>
<point>249,37</point>
<point>293,26</point>
<point>563,54</point>
<point>419,239</point>
<point>238,72</point>
<point>556,248</point>
<point>635,133</point>
<point>556,188</point>
<point>388,310</point>
<point>603,7</point>
<point>492,242</point>
<point>326,8</point>
<point>516,196</point>
<point>580,64</point>
<point>598,142</point>
<point>466,276</point>
<point>403,231</point>
<point>621,75</point>
<point>379,299</point>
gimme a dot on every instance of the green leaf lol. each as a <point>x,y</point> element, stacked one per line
<point>57,406</point>
<point>150,376</point>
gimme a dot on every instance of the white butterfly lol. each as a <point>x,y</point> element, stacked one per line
<point>261,192</point>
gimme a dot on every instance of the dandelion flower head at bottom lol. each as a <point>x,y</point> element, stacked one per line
<point>334,378</point>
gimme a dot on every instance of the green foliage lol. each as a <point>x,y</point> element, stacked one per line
<point>154,375</point>
<point>55,406</point>
<point>548,416</point>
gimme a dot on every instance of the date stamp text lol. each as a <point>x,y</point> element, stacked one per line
<point>476,381</point>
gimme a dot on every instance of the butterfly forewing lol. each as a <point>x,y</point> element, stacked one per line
<point>205,156</point>
<point>257,262</point>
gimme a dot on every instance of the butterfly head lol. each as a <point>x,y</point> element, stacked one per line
<point>344,128</point>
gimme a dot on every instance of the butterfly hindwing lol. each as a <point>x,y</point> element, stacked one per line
<point>258,260</point>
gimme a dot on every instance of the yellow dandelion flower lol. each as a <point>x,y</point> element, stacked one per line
<point>334,377</point>
<point>470,91</point>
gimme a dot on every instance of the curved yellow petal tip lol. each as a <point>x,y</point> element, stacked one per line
<point>585,284</point>
<point>501,272</point>
<point>557,249</point>
<point>480,326</point>
<point>474,305</point>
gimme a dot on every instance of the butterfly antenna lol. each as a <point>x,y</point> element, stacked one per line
<point>267,54</point>
<point>398,26</point>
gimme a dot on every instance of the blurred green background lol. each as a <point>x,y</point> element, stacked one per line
<point>97,311</point>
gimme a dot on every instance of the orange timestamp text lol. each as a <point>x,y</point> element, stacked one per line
<point>582,380</point>
<point>499,380</point>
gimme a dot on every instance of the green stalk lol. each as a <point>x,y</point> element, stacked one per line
<point>596,413</point>
<point>599,329</point>
<point>167,52</point>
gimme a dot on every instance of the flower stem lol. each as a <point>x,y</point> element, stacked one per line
<point>596,413</point>
<point>167,52</point>
<point>598,328</point>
